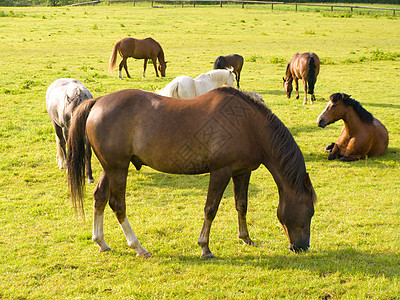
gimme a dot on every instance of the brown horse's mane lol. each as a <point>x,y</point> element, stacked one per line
<point>364,115</point>
<point>288,73</point>
<point>287,153</point>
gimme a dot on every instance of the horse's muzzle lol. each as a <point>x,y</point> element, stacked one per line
<point>321,123</point>
<point>298,248</point>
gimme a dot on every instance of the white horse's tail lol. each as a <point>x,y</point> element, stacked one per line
<point>171,90</point>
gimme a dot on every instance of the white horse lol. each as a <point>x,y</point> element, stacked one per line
<point>187,87</point>
<point>62,97</point>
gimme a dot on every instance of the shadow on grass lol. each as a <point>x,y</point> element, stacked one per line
<point>325,263</point>
<point>384,161</point>
<point>193,184</point>
<point>383,105</point>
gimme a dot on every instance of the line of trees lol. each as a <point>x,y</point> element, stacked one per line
<point>66,2</point>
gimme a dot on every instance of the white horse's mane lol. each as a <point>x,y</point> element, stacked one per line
<point>187,87</point>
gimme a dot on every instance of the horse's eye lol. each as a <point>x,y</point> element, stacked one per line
<point>334,105</point>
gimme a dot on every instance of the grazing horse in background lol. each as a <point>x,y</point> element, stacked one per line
<point>224,132</point>
<point>62,97</point>
<point>302,66</point>
<point>362,135</point>
<point>234,60</point>
<point>187,87</point>
<point>140,49</point>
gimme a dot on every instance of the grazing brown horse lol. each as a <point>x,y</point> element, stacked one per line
<point>224,132</point>
<point>140,49</point>
<point>234,60</point>
<point>302,66</point>
<point>362,135</point>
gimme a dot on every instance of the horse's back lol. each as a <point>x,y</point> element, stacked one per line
<point>140,48</point>
<point>380,141</point>
<point>62,96</point>
<point>170,135</point>
<point>180,87</point>
<point>301,62</point>
<point>232,60</point>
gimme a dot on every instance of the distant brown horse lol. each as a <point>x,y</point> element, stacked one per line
<point>140,49</point>
<point>362,135</point>
<point>302,66</point>
<point>234,60</point>
<point>224,132</point>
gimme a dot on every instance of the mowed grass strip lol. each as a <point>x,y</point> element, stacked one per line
<point>46,252</point>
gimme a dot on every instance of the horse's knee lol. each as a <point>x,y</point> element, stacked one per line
<point>210,213</point>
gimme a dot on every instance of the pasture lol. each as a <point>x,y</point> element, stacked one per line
<point>47,252</point>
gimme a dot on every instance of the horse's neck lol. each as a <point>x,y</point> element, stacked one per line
<point>218,78</point>
<point>352,122</point>
<point>161,57</point>
<point>282,156</point>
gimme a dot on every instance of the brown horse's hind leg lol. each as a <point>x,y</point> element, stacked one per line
<point>100,195</point>
<point>88,159</point>
<point>305,91</point>
<point>117,181</point>
<point>124,65</point>
<point>240,188</point>
<point>218,182</point>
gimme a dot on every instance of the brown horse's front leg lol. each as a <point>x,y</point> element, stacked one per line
<point>335,152</point>
<point>240,188</point>
<point>238,79</point>
<point>296,87</point>
<point>328,149</point>
<point>218,181</point>
<point>144,67</point>
<point>154,59</point>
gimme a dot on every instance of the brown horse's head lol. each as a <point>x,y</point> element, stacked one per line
<point>334,110</point>
<point>162,67</point>
<point>295,212</point>
<point>287,84</point>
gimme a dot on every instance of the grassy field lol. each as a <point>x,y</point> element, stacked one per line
<point>47,253</point>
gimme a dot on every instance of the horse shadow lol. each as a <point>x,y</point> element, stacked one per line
<point>323,263</point>
<point>190,185</point>
<point>381,162</point>
<point>383,105</point>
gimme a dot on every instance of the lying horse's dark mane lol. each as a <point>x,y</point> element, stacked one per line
<point>286,150</point>
<point>364,115</point>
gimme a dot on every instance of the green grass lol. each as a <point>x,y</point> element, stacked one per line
<point>46,252</point>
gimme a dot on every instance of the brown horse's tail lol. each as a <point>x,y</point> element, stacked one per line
<point>113,58</point>
<point>76,153</point>
<point>311,76</point>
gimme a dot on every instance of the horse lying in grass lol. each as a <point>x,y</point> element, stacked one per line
<point>187,87</point>
<point>62,97</point>
<point>362,135</point>
<point>224,132</point>
<point>304,66</point>
<point>141,49</point>
<point>234,61</point>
